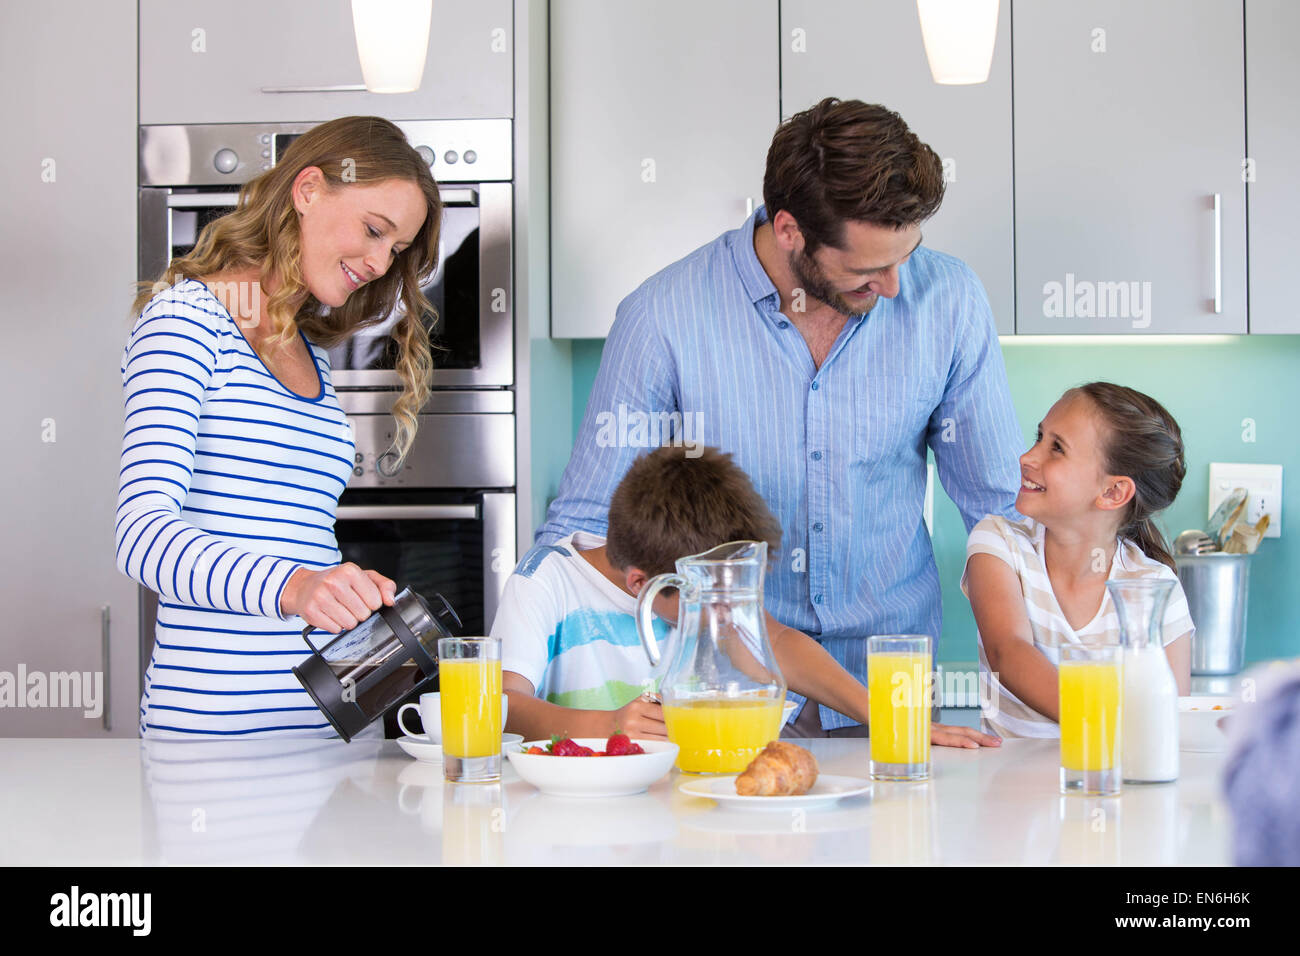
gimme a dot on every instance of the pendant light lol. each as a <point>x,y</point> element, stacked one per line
<point>392,42</point>
<point>959,37</point>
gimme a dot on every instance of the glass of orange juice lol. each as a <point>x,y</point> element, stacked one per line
<point>900,682</point>
<point>469,676</point>
<point>1091,684</point>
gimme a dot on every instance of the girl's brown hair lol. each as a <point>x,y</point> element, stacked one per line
<point>264,231</point>
<point>1145,444</point>
<point>845,159</point>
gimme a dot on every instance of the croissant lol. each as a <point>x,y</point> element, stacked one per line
<point>781,770</point>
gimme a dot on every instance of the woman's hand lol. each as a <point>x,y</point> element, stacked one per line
<point>949,735</point>
<point>335,599</point>
<point>641,718</point>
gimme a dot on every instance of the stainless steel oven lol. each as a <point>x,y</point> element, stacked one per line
<point>190,175</point>
<point>445,522</point>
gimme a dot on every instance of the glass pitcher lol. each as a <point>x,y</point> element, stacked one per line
<point>721,688</point>
<point>1149,719</point>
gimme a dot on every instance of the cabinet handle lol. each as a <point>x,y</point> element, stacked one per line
<point>749,206</point>
<point>343,88</point>
<point>1218,254</point>
<point>105,629</point>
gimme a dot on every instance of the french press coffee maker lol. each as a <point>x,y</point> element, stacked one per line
<point>364,672</point>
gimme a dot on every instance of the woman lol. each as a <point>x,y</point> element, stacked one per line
<point>235,448</point>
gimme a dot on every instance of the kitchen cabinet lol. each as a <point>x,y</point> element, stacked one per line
<point>661,115</point>
<point>68,249</point>
<point>1273,145</point>
<point>823,53</point>
<point>207,62</point>
<point>1129,124</point>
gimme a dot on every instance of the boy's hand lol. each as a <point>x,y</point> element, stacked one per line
<point>641,718</point>
<point>948,735</point>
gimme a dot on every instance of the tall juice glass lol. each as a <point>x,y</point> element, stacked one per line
<point>900,682</point>
<point>1091,687</point>
<point>469,674</point>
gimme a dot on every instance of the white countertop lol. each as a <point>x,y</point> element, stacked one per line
<point>123,802</point>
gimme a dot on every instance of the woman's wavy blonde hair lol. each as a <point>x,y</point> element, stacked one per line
<point>264,230</point>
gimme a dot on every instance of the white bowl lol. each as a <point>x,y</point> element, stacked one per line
<point>594,776</point>
<point>1198,723</point>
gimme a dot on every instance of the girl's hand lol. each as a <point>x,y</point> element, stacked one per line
<point>335,599</point>
<point>948,735</point>
<point>641,718</point>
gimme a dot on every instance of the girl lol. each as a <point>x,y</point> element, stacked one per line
<point>236,449</point>
<point>1106,460</point>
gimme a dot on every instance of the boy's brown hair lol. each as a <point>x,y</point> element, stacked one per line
<point>669,505</point>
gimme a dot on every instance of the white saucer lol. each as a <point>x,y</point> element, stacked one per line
<point>827,790</point>
<point>422,749</point>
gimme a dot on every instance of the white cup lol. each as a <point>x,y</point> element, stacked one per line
<point>430,709</point>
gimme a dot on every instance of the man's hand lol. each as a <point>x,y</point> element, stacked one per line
<point>641,718</point>
<point>948,735</point>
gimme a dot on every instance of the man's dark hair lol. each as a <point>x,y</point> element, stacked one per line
<point>670,505</point>
<point>845,159</point>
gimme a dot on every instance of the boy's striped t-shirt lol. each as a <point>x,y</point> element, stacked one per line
<point>570,631</point>
<point>1019,544</point>
<point>229,483</point>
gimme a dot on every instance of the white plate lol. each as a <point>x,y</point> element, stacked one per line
<point>594,776</point>
<point>422,749</point>
<point>827,790</point>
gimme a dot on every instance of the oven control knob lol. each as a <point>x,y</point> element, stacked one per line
<point>358,471</point>
<point>387,464</point>
<point>226,160</point>
<point>426,154</point>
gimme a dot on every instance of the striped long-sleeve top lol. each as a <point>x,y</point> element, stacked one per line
<point>838,452</point>
<point>229,483</point>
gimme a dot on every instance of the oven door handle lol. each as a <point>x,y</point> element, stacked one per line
<point>458,196</point>
<point>200,200</point>
<point>407,512</point>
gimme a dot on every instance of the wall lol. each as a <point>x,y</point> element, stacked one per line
<point>1209,384</point>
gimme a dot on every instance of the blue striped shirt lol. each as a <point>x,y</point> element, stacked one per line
<point>229,483</point>
<point>838,452</point>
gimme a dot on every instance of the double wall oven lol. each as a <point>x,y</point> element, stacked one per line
<point>445,522</point>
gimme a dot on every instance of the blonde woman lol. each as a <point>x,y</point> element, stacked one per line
<point>235,449</point>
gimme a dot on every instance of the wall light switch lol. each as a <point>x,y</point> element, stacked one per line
<point>1262,482</point>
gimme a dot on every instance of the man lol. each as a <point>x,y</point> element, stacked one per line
<point>823,347</point>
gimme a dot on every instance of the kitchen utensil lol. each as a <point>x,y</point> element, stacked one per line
<point>899,690</point>
<point>364,672</point>
<point>1149,709</point>
<point>470,681</point>
<point>1226,515</point>
<point>1216,586</point>
<point>1245,538</point>
<point>594,776</point>
<point>1194,542</point>
<point>722,690</point>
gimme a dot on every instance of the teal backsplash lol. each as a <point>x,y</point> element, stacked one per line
<point>1210,387</point>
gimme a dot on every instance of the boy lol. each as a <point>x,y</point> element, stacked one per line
<point>571,658</point>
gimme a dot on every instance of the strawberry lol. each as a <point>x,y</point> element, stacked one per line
<point>618,745</point>
<point>536,750</point>
<point>635,748</point>
<point>567,748</point>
